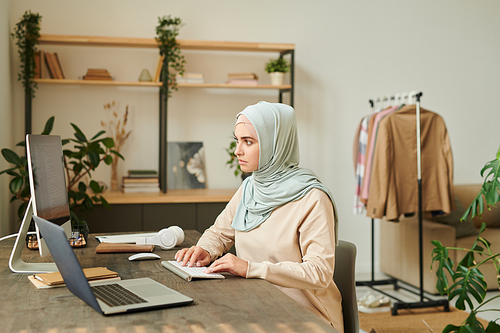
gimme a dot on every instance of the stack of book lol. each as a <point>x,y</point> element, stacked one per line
<point>97,74</point>
<point>51,280</point>
<point>242,78</point>
<point>190,78</point>
<point>54,66</point>
<point>141,181</point>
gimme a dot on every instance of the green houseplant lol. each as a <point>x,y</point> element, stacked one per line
<point>277,69</point>
<point>27,33</point>
<point>167,31</point>
<point>79,162</point>
<point>468,282</point>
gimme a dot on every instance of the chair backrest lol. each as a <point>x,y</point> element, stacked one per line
<point>344,277</point>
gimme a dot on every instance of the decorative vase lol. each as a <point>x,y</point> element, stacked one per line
<point>277,78</point>
<point>145,76</point>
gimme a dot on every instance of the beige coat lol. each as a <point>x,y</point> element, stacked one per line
<point>293,249</point>
<point>393,179</point>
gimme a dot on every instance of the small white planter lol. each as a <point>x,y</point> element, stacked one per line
<point>277,78</point>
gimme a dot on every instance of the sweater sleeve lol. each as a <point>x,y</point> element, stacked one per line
<point>219,238</point>
<point>316,241</point>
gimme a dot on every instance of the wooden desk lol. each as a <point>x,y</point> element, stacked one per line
<point>230,305</point>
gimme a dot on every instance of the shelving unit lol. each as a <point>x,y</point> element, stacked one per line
<point>96,41</point>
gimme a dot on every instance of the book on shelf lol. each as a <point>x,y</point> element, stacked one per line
<point>97,74</point>
<point>140,180</point>
<point>158,68</point>
<point>54,66</point>
<point>190,78</point>
<point>142,189</point>
<point>242,76</point>
<point>39,68</point>
<point>243,82</point>
<point>136,173</point>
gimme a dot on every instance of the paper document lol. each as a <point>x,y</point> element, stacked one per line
<point>126,238</point>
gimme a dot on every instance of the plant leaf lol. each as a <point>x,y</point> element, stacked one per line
<point>11,157</point>
<point>98,135</point>
<point>48,126</point>
<point>105,203</point>
<point>492,327</point>
<point>82,187</point>
<point>78,133</point>
<point>108,142</point>
<point>440,254</point>
<point>94,159</point>
<point>16,184</point>
<point>467,281</point>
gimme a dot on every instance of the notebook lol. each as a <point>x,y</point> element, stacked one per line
<point>106,297</point>
<point>189,273</point>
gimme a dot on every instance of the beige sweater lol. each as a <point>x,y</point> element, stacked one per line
<point>293,249</point>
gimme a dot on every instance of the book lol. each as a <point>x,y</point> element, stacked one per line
<point>243,82</point>
<point>94,273</point>
<point>97,74</point>
<point>136,185</point>
<point>190,78</point>
<point>158,68</point>
<point>189,273</point>
<point>38,71</point>
<point>140,180</point>
<point>142,189</point>
<point>122,248</point>
<point>50,66</point>
<point>142,173</point>
<point>60,73</point>
<point>242,76</point>
<point>40,285</point>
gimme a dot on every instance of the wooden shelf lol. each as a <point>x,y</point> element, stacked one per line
<point>172,196</point>
<point>99,83</point>
<point>158,84</point>
<point>151,43</point>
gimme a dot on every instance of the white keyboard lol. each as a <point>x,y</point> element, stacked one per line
<point>196,272</point>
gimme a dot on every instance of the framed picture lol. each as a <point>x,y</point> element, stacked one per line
<point>186,165</point>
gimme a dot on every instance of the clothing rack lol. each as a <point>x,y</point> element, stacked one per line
<point>424,301</point>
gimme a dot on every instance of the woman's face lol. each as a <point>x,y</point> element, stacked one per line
<point>247,148</point>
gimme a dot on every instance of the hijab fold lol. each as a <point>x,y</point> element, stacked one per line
<point>278,179</point>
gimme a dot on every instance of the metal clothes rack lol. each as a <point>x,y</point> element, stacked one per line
<point>424,301</point>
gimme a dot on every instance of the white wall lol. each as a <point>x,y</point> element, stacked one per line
<point>5,114</point>
<point>346,53</point>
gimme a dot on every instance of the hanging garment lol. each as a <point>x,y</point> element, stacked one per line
<point>372,138</point>
<point>393,185</point>
<point>359,154</point>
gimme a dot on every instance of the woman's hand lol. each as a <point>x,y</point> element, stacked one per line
<point>194,255</point>
<point>229,263</point>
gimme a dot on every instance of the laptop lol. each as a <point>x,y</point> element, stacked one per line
<point>106,297</point>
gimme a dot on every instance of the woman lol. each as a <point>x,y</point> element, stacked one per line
<point>282,220</point>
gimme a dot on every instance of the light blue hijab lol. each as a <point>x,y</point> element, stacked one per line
<point>278,179</point>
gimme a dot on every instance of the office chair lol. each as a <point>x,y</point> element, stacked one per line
<point>344,277</point>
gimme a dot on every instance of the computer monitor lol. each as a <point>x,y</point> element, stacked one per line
<point>49,197</point>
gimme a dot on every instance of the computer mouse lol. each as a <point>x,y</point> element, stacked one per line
<point>143,256</point>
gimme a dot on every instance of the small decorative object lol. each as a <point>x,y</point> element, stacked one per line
<point>27,33</point>
<point>277,69</point>
<point>186,165</point>
<point>79,234</point>
<point>233,161</point>
<point>145,76</point>
<point>117,129</point>
<point>167,31</point>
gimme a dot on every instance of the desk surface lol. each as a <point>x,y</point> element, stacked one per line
<point>230,305</point>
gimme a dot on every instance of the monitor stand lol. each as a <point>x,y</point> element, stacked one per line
<point>16,264</point>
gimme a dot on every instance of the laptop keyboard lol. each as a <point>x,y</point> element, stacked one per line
<point>115,295</point>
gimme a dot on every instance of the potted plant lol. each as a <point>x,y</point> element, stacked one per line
<point>79,162</point>
<point>167,31</point>
<point>467,278</point>
<point>277,69</point>
<point>27,33</point>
